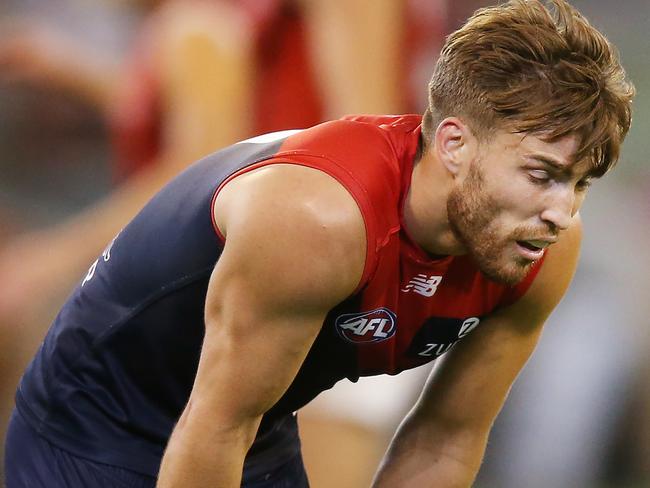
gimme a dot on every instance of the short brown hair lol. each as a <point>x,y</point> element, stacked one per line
<point>528,68</point>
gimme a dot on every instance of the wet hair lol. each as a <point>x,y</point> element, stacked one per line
<point>529,66</point>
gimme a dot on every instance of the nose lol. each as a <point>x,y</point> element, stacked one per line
<point>560,208</point>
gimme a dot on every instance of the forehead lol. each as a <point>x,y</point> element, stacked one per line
<point>558,153</point>
<point>564,147</point>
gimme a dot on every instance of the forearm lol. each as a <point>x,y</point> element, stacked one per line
<point>356,48</point>
<point>203,452</point>
<point>422,457</point>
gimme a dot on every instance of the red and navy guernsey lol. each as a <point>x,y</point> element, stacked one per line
<point>117,366</point>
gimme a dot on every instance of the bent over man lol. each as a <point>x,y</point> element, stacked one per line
<point>272,269</point>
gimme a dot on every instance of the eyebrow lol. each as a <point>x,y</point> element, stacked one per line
<point>558,166</point>
<point>549,161</point>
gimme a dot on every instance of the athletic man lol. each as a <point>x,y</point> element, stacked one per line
<point>268,271</point>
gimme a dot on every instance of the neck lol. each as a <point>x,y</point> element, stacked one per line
<point>425,208</point>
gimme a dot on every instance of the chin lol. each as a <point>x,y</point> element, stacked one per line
<point>510,274</point>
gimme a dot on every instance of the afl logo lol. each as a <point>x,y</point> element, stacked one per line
<point>374,326</point>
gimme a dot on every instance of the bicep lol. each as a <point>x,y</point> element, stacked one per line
<point>470,385</point>
<point>284,266</point>
<point>251,352</point>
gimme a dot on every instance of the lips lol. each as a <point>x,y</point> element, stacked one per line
<point>533,249</point>
<point>534,244</point>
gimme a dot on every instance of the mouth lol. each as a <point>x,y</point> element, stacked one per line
<point>533,249</point>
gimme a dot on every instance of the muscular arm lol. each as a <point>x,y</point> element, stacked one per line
<point>442,440</point>
<point>295,247</point>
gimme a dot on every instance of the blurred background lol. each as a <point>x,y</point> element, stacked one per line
<point>102,101</point>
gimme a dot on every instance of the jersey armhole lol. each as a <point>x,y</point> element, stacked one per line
<point>340,174</point>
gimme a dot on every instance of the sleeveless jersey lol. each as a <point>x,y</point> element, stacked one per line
<point>117,366</point>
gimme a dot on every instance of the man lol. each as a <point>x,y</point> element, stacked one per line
<point>268,271</point>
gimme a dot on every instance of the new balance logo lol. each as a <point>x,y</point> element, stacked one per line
<point>423,285</point>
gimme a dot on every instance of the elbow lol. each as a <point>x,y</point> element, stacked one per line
<point>198,421</point>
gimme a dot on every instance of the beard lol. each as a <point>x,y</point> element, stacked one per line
<point>473,219</point>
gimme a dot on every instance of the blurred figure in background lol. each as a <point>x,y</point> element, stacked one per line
<point>38,268</point>
<point>202,74</point>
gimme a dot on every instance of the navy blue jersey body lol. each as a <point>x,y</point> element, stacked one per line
<point>117,366</point>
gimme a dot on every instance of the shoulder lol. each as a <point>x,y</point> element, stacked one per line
<point>365,151</point>
<point>357,136</point>
<point>298,221</point>
<point>354,131</point>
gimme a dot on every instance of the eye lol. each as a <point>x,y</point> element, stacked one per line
<point>539,176</point>
<point>584,184</point>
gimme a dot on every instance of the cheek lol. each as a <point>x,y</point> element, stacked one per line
<point>521,201</point>
<point>511,204</point>
<point>500,201</point>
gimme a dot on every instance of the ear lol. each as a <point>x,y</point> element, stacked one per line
<point>455,145</point>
